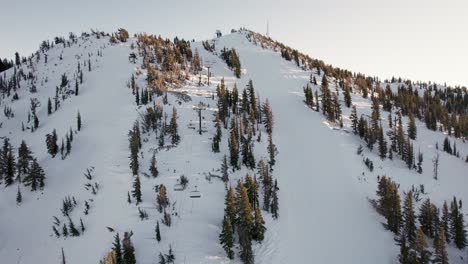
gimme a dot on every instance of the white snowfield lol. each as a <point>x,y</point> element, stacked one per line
<point>325,216</point>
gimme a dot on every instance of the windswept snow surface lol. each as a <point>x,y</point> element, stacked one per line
<point>325,216</point>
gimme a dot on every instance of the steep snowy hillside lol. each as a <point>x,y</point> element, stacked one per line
<point>131,90</point>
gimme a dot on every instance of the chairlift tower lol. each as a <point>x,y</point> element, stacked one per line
<point>199,108</point>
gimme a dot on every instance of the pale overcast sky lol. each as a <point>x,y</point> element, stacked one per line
<point>419,39</point>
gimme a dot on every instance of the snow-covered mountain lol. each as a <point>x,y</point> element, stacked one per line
<point>324,187</point>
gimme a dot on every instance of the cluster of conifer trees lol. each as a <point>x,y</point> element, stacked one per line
<point>245,113</point>
<point>242,216</point>
<point>243,220</point>
<point>437,104</point>
<point>123,251</point>
<point>23,168</point>
<point>231,58</point>
<point>166,61</point>
<point>401,220</point>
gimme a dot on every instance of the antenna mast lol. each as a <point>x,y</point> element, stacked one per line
<point>268,30</point>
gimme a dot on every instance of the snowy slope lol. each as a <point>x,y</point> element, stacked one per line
<point>325,216</point>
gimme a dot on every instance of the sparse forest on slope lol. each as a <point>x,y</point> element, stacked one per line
<point>142,149</point>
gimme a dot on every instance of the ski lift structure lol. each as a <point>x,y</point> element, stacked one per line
<point>195,193</point>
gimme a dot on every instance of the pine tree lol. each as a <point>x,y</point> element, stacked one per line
<point>82,225</point>
<point>224,170</point>
<point>64,230</point>
<point>175,138</point>
<point>259,226</point>
<point>245,224</point>
<point>233,146</point>
<point>128,253</point>
<point>445,221</point>
<point>230,207</point>
<point>158,232</point>
<point>217,137</point>
<point>9,166</point>
<point>404,256</point>
<point>440,249</point>
<point>226,238</point>
<point>412,127</point>
<point>354,119</point>
<point>76,87</point>
<point>272,151</point>
<point>347,96</point>
<point>382,144</point>
<point>117,248</point>
<point>72,228</point>
<point>162,199</point>
<point>129,200</point>
<point>24,158</point>
<point>426,218</point>
<point>153,169</point>
<point>19,197</point>
<point>36,176</point>
<point>49,107</point>
<point>68,145</point>
<point>136,192</point>
<point>423,255</point>
<point>134,148</point>
<point>78,121</point>
<point>409,222</point>
<point>274,201</point>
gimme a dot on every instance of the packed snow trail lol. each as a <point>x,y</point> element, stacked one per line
<point>323,216</point>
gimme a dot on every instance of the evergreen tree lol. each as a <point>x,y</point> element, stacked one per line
<point>9,165</point>
<point>117,248</point>
<point>440,249</point>
<point>153,169</point>
<point>162,199</point>
<point>233,146</point>
<point>272,151</point>
<point>217,137</point>
<point>382,144</point>
<point>49,107</point>
<point>426,218</point>
<point>19,197</point>
<point>347,96</point>
<point>445,221</point>
<point>245,224</point>
<point>82,225</point>
<point>354,119</point>
<point>226,237</point>
<point>78,121</point>
<point>36,176</point>
<point>274,201</point>
<point>267,117</point>
<point>458,231</point>
<point>259,228</point>
<point>128,253</point>
<point>175,138</point>
<point>24,158</point>
<point>64,230</point>
<point>224,170</point>
<point>409,222</point>
<point>136,192</point>
<point>158,232</point>
<point>76,87</point>
<point>412,127</point>
<point>230,207</point>
<point>134,148</point>
<point>423,255</point>
<point>72,228</point>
